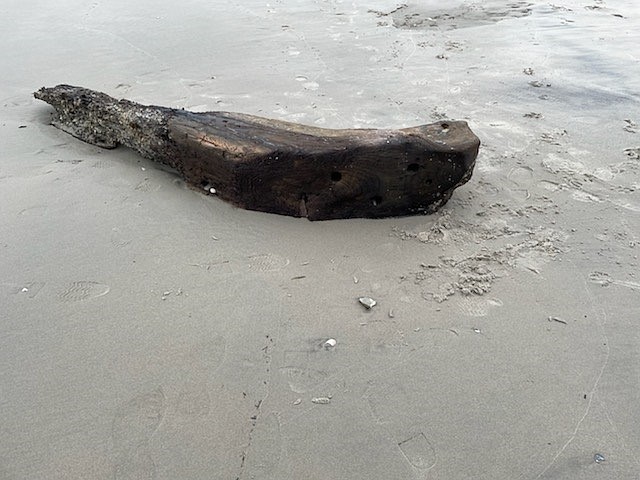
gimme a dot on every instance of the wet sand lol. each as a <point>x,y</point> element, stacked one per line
<point>150,331</point>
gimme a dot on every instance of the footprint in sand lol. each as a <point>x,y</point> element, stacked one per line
<point>474,306</point>
<point>522,179</point>
<point>297,373</point>
<point>147,185</point>
<point>102,164</point>
<point>418,451</point>
<point>521,175</point>
<point>302,380</point>
<point>83,290</point>
<point>388,403</point>
<point>137,420</point>
<point>133,425</point>
<point>196,368</point>
<point>267,262</point>
<point>384,399</point>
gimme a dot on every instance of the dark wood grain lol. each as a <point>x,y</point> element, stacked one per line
<point>281,167</point>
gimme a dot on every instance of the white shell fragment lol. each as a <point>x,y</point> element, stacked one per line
<point>557,319</point>
<point>332,342</point>
<point>321,400</point>
<point>367,302</point>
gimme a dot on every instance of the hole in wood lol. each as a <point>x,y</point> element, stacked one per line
<point>376,200</point>
<point>413,167</point>
<point>336,176</point>
<point>445,126</point>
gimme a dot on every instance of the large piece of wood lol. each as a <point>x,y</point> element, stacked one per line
<point>281,167</point>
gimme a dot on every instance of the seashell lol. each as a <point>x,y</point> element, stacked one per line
<point>332,342</point>
<point>367,302</point>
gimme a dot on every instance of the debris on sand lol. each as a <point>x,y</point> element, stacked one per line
<point>332,342</point>
<point>557,319</point>
<point>367,302</point>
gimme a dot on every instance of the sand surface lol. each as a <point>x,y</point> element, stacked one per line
<point>148,331</point>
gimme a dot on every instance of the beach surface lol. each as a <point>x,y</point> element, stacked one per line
<point>149,331</point>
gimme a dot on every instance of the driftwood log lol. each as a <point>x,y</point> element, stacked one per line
<point>281,167</point>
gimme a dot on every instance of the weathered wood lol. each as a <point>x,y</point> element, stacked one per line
<point>281,167</point>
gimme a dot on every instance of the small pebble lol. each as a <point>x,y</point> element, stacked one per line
<point>367,302</point>
<point>298,401</point>
<point>321,400</point>
<point>332,342</point>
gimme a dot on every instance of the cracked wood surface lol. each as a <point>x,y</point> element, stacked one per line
<point>280,167</point>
